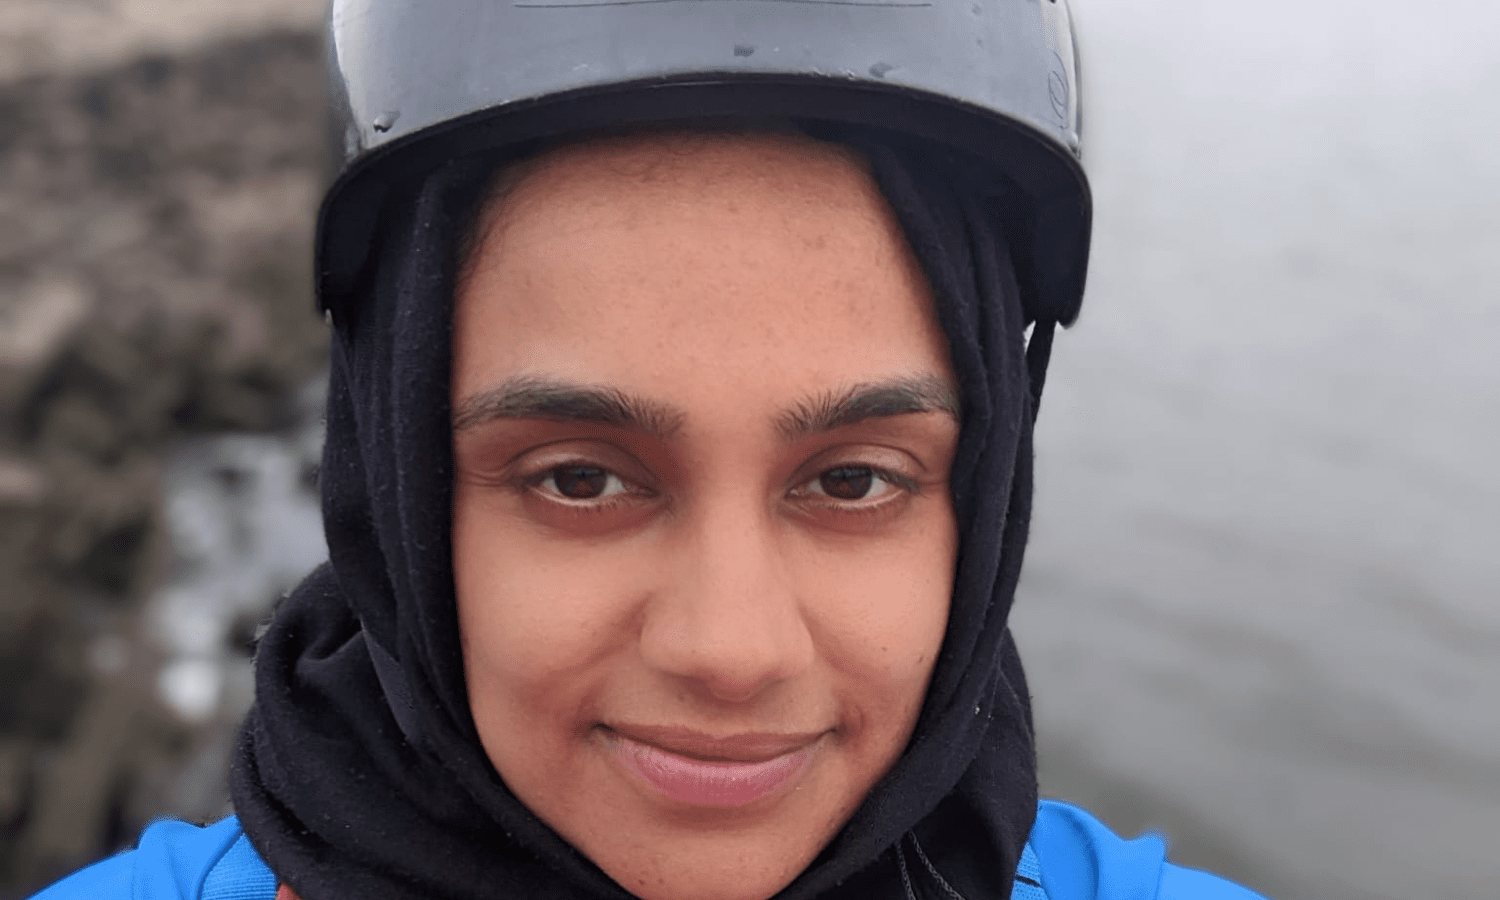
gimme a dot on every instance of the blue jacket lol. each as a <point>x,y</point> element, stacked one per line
<point>1070,856</point>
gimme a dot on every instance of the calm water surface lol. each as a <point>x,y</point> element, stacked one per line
<point>1260,609</point>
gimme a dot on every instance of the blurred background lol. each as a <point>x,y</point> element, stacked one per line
<point>1259,611</point>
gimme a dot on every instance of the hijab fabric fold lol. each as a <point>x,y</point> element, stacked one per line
<point>359,771</point>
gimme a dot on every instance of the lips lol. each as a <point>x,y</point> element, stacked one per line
<point>701,770</point>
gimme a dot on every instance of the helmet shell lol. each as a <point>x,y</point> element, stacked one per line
<point>416,82</point>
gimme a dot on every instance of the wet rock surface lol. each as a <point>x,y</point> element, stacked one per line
<point>154,292</point>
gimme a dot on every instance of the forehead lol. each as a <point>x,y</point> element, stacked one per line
<point>656,166</point>
<point>766,260</point>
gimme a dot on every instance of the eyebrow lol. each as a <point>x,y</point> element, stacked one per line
<point>857,403</point>
<point>527,397</point>
<point>530,397</point>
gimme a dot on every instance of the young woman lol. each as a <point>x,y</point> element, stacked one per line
<point>678,469</point>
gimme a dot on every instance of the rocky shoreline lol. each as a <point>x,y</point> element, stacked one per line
<point>154,290</point>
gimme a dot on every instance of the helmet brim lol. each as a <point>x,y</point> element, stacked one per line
<point>1049,210</point>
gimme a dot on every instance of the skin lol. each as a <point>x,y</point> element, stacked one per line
<point>704,419</point>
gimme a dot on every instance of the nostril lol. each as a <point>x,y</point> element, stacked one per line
<point>732,648</point>
<point>732,665</point>
<point>729,686</point>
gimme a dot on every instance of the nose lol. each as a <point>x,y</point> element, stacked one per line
<point>726,616</point>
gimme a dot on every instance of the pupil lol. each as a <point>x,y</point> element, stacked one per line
<point>847,483</point>
<point>580,482</point>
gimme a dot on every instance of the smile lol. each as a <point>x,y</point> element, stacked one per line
<point>703,771</point>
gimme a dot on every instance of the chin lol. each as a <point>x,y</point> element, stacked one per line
<point>659,848</point>
<point>734,870</point>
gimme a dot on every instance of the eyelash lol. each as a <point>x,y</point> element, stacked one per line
<point>901,483</point>
<point>534,482</point>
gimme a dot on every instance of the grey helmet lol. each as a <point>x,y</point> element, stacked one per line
<point>416,82</point>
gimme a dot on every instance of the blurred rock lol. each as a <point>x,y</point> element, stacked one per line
<point>36,321</point>
<point>15,781</point>
<point>154,293</point>
<point>21,483</point>
<point>67,35</point>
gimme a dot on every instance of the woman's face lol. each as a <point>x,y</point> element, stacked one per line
<point>702,536</point>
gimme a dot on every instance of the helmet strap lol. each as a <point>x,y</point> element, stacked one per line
<point>1038,352</point>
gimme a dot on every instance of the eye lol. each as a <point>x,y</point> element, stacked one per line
<point>852,483</point>
<point>580,483</point>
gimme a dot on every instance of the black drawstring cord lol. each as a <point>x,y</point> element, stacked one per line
<point>942,882</point>
<point>1038,352</point>
<point>905,875</point>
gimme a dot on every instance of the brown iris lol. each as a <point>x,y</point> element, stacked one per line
<point>847,482</point>
<point>580,482</point>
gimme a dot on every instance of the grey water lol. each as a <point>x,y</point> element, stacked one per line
<point>1260,607</point>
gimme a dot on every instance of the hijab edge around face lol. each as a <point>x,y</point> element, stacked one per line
<point>359,771</point>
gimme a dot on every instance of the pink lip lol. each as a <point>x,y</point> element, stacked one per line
<point>704,771</point>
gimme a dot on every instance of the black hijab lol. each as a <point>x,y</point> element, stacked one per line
<point>359,771</point>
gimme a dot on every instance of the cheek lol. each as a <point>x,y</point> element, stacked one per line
<point>880,614</point>
<point>531,607</point>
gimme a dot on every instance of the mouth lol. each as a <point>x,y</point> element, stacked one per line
<point>703,770</point>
